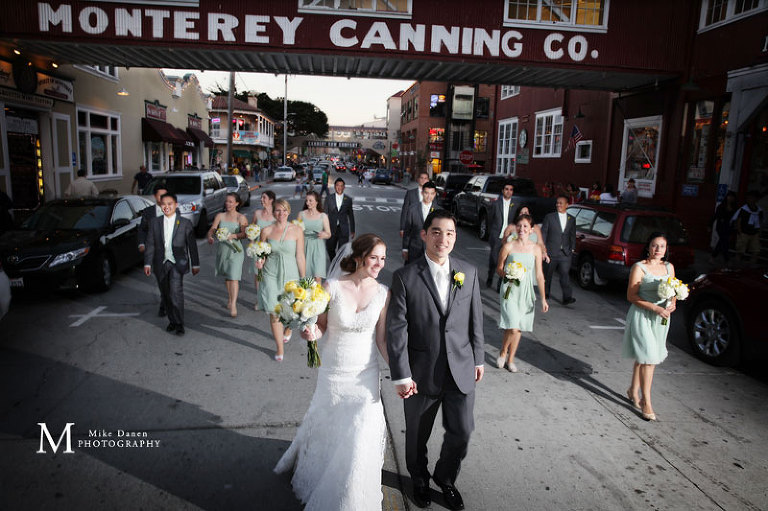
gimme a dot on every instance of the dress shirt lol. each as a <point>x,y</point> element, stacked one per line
<point>441,277</point>
<point>425,210</point>
<point>168,222</point>
<point>418,191</point>
<point>339,201</point>
<point>504,215</point>
<point>563,219</point>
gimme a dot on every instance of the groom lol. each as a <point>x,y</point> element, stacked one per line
<point>435,345</point>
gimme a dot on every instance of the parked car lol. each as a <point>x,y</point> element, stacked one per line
<point>724,315</point>
<point>610,239</point>
<point>473,203</point>
<point>74,243</point>
<point>236,184</point>
<point>382,176</point>
<point>5,293</point>
<point>448,185</point>
<point>284,173</point>
<point>201,195</point>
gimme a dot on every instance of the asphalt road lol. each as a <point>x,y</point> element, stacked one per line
<point>215,412</point>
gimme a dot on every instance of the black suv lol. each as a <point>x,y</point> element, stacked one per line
<point>448,185</point>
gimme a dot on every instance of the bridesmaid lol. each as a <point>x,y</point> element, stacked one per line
<point>229,262</point>
<point>286,262</point>
<point>517,310</point>
<point>645,337</point>
<point>316,229</point>
<point>263,217</point>
<point>534,237</point>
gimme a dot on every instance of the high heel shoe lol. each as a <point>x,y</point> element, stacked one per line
<point>278,358</point>
<point>649,416</point>
<point>511,367</point>
<point>500,362</point>
<point>635,402</point>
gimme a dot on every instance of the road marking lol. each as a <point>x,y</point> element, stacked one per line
<point>599,327</point>
<point>96,313</point>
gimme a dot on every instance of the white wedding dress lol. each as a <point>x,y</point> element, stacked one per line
<point>338,451</point>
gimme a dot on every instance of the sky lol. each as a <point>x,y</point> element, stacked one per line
<point>346,101</point>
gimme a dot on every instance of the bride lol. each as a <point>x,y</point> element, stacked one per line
<point>338,451</point>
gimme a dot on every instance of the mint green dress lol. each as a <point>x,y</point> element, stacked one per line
<point>517,310</point>
<point>314,248</point>
<point>281,266</point>
<point>645,338</point>
<point>261,223</point>
<point>229,263</point>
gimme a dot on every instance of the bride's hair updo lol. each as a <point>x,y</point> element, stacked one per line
<point>361,248</point>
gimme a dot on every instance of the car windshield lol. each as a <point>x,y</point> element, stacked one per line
<point>69,217</point>
<point>179,185</point>
<point>637,229</point>
<point>458,182</point>
<point>229,180</point>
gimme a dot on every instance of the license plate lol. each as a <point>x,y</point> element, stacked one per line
<point>19,282</point>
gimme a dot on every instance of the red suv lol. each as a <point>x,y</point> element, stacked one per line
<point>610,239</point>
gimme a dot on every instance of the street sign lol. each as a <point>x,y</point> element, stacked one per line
<point>466,157</point>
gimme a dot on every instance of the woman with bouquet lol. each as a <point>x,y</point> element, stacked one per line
<point>263,217</point>
<point>510,233</point>
<point>647,325</point>
<point>286,262</point>
<point>316,230</point>
<point>229,227</point>
<point>338,451</point>
<point>516,292</point>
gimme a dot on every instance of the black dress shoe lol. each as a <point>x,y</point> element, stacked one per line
<point>452,496</point>
<point>489,282</point>
<point>161,312</point>
<point>568,301</point>
<point>421,495</point>
<point>179,329</point>
<point>170,328</point>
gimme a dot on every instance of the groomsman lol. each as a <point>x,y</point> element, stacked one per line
<point>413,245</point>
<point>502,213</point>
<point>147,214</point>
<point>412,196</point>
<point>341,218</point>
<point>170,247</point>
<point>559,232</point>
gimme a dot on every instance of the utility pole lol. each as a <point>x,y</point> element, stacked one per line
<point>230,102</point>
<point>285,121</point>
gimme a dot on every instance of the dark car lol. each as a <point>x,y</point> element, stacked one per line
<point>236,184</point>
<point>74,243</point>
<point>382,176</point>
<point>610,239</point>
<point>448,184</point>
<point>724,315</point>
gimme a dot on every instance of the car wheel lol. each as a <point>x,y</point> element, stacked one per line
<point>202,224</point>
<point>585,272</point>
<point>102,275</point>
<point>713,332</point>
<point>482,228</point>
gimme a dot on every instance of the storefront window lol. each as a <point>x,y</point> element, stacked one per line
<point>481,141</point>
<point>506,151</point>
<point>641,151</point>
<point>700,137</point>
<point>155,156</point>
<point>99,142</point>
<point>549,134</point>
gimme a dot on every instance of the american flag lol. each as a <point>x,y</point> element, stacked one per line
<point>575,137</point>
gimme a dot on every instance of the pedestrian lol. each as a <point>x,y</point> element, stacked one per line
<point>341,218</point>
<point>645,335</point>
<point>360,177</point>
<point>502,214</point>
<point>230,253</point>
<point>141,179</point>
<point>722,227</point>
<point>285,263</point>
<point>413,244</point>
<point>171,249</point>
<point>81,187</point>
<point>594,192</point>
<point>630,193</point>
<point>412,196</point>
<point>147,214</point>
<point>324,182</point>
<point>559,232</point>
<point>748,221</point>
<point>317,229</point>
<point>608,196</point>
<point>518,300</point>
<point>367,178</point>
<point>435,345</point>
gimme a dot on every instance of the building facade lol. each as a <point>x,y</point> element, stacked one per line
<point>253,132</point>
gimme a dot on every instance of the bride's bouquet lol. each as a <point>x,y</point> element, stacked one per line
<point>672,288</point>
<point>258,250</point>
<point>299,306</point>
<point>222,234</point>
<point>252,232</point>
<point>513,274</point>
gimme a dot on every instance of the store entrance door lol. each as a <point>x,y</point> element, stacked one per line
<point>25,161</point>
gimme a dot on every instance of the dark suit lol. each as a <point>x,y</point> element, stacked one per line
<point>439,349</point>
<point>560,245</point>
<point>342,222</point>
<point>170,275</point>
<point>411,197</point>
<point>495,223</point>
<point>414,222</point>
<point>147,214</point>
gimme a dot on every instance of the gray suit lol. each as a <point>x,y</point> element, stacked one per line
<point>439,350</point>
<point>495,222</point>
<point>414,222</point>
<point>560,244</point>
<point>170,275</point>
<point>411,198</point>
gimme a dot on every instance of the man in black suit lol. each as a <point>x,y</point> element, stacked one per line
<point>170,248</point>
<point>412,196</point>
<point>148,214</point>
<point>502,213</point>
<point>413,245</point>
<point>341,218</point>
<point>559,232</point>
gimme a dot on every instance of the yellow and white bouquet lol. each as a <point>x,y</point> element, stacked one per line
<point>222,234</point>
<point>513,274</point>
<point>258,250</point>
<point>299,306</point>
<point>672,288</point>
<point>252,232</point>
<point>298,222</point>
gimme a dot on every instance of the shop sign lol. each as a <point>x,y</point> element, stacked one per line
<point>155,110</point>
<point>19,125</point>
<point>523,156</point>
<point>194,122</point>
<point>55,88</point>
<point>6,75</point>
<point>21,98</point>
<point>690,191</point>
<point>434,154</point>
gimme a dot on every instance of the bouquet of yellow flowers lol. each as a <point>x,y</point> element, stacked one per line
<point>513,274</point>
<point>298,222</point>
<point>672,288</point>
<point>222,234</point>
<point>252,232</point>
<point>258,250</point>
<point>299,306</point>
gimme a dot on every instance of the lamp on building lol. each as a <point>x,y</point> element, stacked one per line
<point>579,114</point>
<point>123,92</point>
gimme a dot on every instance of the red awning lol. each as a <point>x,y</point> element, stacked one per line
<point>200,136</point>
<point>186,140</point>
<point>153,130</point>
